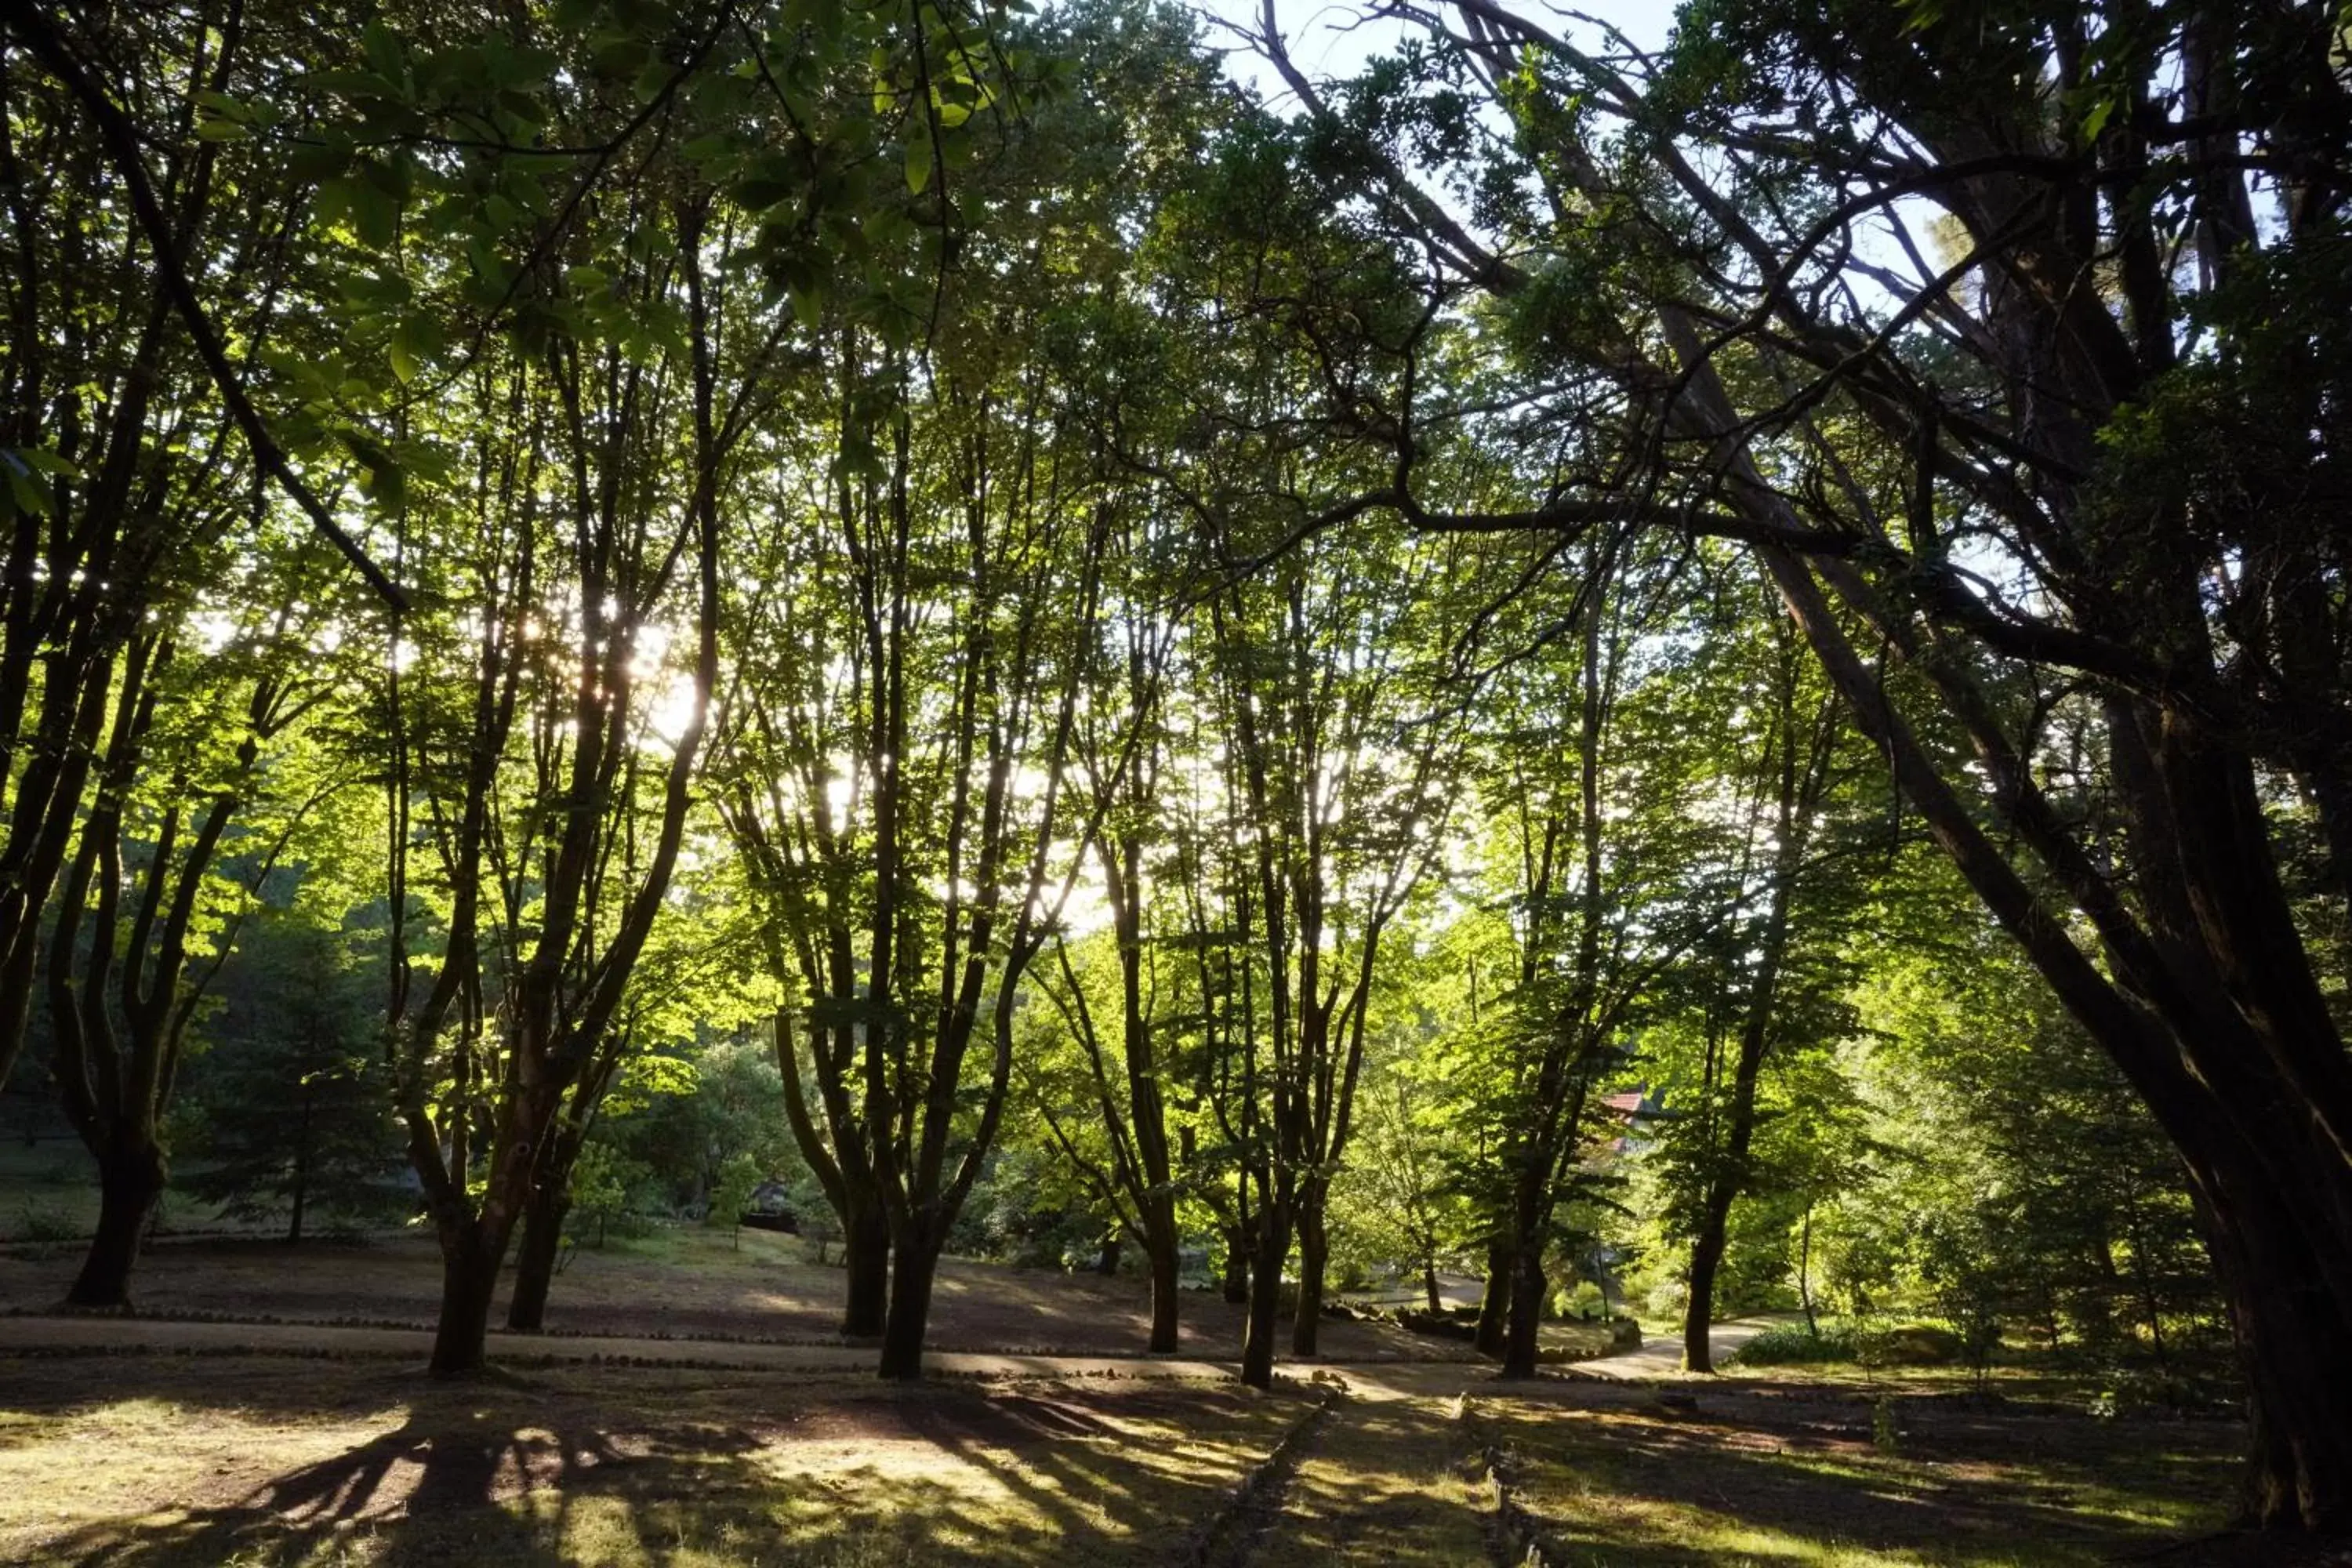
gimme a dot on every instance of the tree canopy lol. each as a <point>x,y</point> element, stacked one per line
<point>1714,672</point>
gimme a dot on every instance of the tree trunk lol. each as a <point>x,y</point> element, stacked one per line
<point>131,1178</point>
<point>1162,1251</point>
<point>1494,1300</point>
<point>1314,1252</point>
<point>1107,1260</point>
<point>1805,1275</point>
<point>2291,1341</point>
<point>1705,1260</point>
<point>301,1166</point>
<point>535,1259</point>
<point>1236,1279</point>
<point>1265,1292</point>
<point>1522,1343</point>
<point>1429,1285</point>
<point>918,1262</point>
<point>866,1258</point>
<point>469,1275</point>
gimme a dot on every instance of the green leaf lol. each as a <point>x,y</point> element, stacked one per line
<point>417,339</point>
<point>770,180</point>
<point>27,491</point>
<point>41,460</point>
<point>380,477</point>
<point>373,212</point>
<point>2096,120</point>
<point>808,307</point>
<point>213,128</point>
<point>918,164</point>
<point>352,84</point>
<point>383,50</point>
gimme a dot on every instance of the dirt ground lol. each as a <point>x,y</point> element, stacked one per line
<point>169,1462</point>
<point>685,1284</point>
<point>159,1463</point>
<point>203,1450</point>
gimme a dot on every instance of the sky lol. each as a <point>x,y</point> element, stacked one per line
<point>1324,40</point>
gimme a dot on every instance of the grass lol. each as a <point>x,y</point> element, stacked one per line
<point>49,1199</point>
<point>1746,1480</point>
<point>161,1462</point>
<point>1386,1484</point>
<point>276,1463</point>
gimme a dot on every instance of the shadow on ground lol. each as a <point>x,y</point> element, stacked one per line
<point>1637,1483</point>
<point>169,1465</point>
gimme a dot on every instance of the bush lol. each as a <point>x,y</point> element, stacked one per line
<point>1882,1344</point>
<point>1919,1344</point>
<point>1794,1344</point>
<point>1580,1303</point>
<point>44,1225</point>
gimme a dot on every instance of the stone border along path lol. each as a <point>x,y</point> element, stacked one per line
<point>1230,1536</point>
<point>124,1333</point>
<point>1514,1537</point>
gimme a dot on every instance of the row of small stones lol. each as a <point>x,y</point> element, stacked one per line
<point>541,1363</point>
<point>1224,1531</point>
<point>1516,1536</point>
<point>415,1325</point>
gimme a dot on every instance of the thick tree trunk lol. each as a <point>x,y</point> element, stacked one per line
<point>1314,1253</point>
<point>866,1256</point>
<point>131,1178</point>
<point>535,1259</point>
<point>2295,1343</point>
<point>1522,1343</point>
<point>1494,1300</point>
<point>918,1262</point>
<point>1429,1285</point>
<point>469,1275</point>
<point>2249,1111</point>
<point>1265,1293</point>
<point>1107,1258</point>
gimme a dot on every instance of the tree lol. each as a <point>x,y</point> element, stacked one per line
<point>1760,961</point>
<point>122,994</point>
<point>1873,420</point>
<point>287,1107</point>
<point>123,476</point>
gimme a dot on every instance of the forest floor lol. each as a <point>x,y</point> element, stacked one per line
<point>700,1411</point>
<point>156,1461</point>
<point>679,1284</point>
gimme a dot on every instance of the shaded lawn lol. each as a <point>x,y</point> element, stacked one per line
<point>157,1462</point>
<point>1802,1477</point>
<point>152,1463</point>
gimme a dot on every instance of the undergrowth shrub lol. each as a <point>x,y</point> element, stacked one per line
<point>1794,1344</point>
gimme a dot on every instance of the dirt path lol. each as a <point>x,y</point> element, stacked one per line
<point>1661,1355</point>
<point>76,1335</point>
<point>1384,1378</point>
